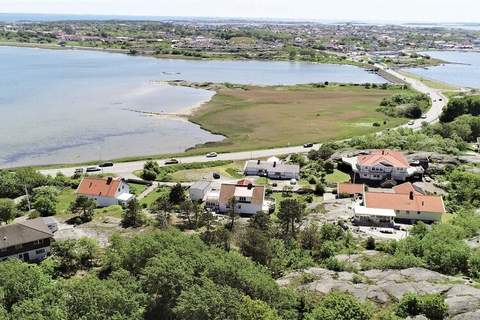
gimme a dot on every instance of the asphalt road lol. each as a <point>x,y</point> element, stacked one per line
<point>126,169</point>
<point>439,101</point>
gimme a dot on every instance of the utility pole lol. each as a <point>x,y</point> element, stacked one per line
<point>28,197</point>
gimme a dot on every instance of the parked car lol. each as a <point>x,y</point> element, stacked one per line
<point>216,175</point>
<point>211,155</point>
<point>94,169</point>
<point>424,116</point>
<point>293,182</point>
<point>411,123</point>
<point>308,145</point>
<point>79,171</point>
<point>172,161</point>
<point>106,164</point>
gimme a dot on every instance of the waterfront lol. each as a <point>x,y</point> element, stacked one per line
<point>463,71</point>
<point>73,106</point>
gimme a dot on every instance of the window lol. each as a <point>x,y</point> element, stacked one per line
<point>40,251</point>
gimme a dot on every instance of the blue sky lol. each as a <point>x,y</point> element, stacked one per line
<point>366,10</point>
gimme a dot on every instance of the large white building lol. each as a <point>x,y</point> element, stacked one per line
<point>381,165</point>
<point>249,199</point>
<point>105,191</point>
<point>403,203</point>
<point>272,168</point>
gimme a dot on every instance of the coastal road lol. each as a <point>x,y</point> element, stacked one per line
<point>439,101</point>
<point>126,169</point>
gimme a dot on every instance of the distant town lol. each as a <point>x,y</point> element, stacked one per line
<point>395,45</point>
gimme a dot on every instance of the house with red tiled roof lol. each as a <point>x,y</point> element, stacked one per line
<point>408,204</point>
<point>381,165</point>
<point>105,191</point>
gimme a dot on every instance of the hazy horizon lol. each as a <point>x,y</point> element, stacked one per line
<point>408,11</point>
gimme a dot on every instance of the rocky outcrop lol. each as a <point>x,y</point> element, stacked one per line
<point>387,286</point>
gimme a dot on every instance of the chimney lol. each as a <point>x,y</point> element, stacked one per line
<point>109,180</point>
<point>250,186</point>
<point>383,152</point>
<point>258,161</point>
<point>274,164</point>
<point>411,195</point>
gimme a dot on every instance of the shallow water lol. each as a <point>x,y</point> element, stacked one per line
<point>62,106</point>
<point>464,72</point>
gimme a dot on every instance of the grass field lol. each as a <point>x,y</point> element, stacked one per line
<point>431,83</point>
<point>229,171</point>
<point>265,117</point>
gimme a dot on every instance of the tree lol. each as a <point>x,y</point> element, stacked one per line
<point>84,207</point>
<point>209,301</point>
<point>20,281</point>
<point>256,242</point>
<point>92,298</point>
<point>73,255</point>
<point>177,194</point>
<point>291,213</point>
<point>340,306</point>
<point>232,212</point>
<point>161,208</point>
<point>45,205</point>
<point>150,170</point>
<point>132,215</point>
<point>191,213</point>
<point>8,212</point>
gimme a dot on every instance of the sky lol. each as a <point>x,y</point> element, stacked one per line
<point>330,10</point>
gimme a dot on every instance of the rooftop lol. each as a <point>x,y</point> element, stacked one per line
<point>384,157</point>
<point>93,186</point>
<point>23,232</point>
<point>350,188</point>
<point>408,202</point>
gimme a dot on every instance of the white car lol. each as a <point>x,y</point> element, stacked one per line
<point>211,155</point>
<point>411,123</point>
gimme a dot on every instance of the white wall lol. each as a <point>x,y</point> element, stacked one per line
<point>423,216</point>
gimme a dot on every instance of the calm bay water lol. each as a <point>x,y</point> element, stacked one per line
<point>464,70</point>
<point>62,106</point>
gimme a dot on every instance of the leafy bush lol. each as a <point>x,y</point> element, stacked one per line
<point>340,306</point>
<point>432,306</point>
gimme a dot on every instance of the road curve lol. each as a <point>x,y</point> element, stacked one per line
<point>126,169</point>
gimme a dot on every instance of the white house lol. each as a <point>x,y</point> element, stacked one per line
<point>272,169</point>
<point>380,165</point>
<point>249,199</point>
<point>105,191</point>
<point>28,240</point>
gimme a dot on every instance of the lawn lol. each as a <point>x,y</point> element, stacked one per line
<point>337,177</point>
<point>136,188</point>
<point>187,172</point>
<point>64,199</point>
<point>265,117</point>
<point>152,196</point>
